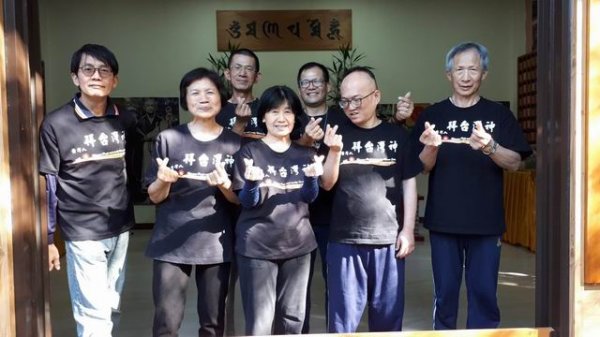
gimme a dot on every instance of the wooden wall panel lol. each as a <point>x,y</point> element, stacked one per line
<point>553,163</point>
<point>22,109</point>
<point>7,308</point>
<point>592,228</point>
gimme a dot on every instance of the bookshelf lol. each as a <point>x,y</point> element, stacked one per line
<point>526,94</point>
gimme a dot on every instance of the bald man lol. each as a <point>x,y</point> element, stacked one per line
<point>370,234</point>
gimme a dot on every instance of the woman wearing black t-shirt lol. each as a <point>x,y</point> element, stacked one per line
<point>189,183</point>
<point>275,179</point>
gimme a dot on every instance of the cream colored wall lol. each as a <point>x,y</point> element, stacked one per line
<point>157,41</point>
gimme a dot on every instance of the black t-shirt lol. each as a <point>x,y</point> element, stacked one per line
<point>227,118</point>
<point>320,209</point>
<point>87,155</point>
<point>368,197</point>
<point>465,194</point>
<point>278,227</point>
<point>194,224</point>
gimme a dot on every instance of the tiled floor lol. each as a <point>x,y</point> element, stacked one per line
<point>516,295</point>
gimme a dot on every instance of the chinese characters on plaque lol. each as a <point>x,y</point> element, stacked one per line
<point>284,30</point>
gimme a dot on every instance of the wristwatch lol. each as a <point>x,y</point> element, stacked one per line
<point>490,149</point>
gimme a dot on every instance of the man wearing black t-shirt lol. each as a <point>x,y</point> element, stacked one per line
<point>465,142</point>
<point>313,87</point>
<point>239,114</point>
<point>374,182</point>
<point>82,156</point>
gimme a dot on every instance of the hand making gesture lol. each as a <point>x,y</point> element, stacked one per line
<point>404,107</point>
<point>165,173</point>
<point>430,136</point>
<point>252,173</point>
<point>316,168</point>
<point>219,177</point>
<point>479,137</point>
<point>333,140</point>
<point>313,129</point>
<point>242,110</point>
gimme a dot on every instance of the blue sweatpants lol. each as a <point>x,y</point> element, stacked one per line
<point>480,256</point>
<point>358,275</point>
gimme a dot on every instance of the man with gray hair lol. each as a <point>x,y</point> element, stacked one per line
<point>465,142</point>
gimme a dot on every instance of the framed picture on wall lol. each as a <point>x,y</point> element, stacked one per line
<point>154,114</point>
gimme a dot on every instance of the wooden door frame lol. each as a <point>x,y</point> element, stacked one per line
<point>23,237</point>
<point>22,232</point>
<point>553,276</point>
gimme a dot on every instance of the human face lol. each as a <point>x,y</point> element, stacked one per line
<point>94,86</point>
<point>203,99</point>
<point>242,73</point>
<point>358,85</point>
<point>279,121</point>
<point>150,107</point>
<point>466,74</point>
<point>313,88</point>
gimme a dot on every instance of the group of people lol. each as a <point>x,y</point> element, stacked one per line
<point>252,188</point>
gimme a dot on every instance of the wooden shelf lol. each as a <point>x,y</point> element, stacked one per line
<point>527,94</point>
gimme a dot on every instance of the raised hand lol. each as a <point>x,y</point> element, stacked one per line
<point>333,140</point>
<point>165,173</point>
<point>430,136</point>
<point>479,137</point>
<point>313,129</point>
<point>252,173</point>
<point>242,110</point>
<point>219,177</point>
<point>316,168</point>
<point>404,107</point>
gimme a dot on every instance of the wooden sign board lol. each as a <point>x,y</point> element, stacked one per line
<point>284,29</point>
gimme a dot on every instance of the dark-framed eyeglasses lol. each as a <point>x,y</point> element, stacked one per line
<point>317,83</point>
<point>90,70</point>
<point>353,102</point>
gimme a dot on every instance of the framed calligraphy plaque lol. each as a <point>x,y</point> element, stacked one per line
<point>284,29</point>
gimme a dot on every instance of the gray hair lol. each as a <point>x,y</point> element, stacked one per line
<point>464,46</point>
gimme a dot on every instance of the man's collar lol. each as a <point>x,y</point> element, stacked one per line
<point>84,113</point>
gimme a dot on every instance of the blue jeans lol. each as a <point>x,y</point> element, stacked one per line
<point>96,273</point>
<point>274,294</point>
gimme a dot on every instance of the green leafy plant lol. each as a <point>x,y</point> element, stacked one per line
<point>219,63</point>
<point>345,58</point>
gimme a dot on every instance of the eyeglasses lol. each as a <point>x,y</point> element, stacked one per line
<point>317,83</point>
<point>354,102</point>
<point>90,70</point>
<point>238,68</point>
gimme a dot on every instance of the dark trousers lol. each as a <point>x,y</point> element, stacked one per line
<point>169,284</point>
<point>273,294</point>
<point>480,257</point>
<point>360,276</point>
<point>322,236</point>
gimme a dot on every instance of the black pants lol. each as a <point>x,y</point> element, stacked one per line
<point>169,284</point>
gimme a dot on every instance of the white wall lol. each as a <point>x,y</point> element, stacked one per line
<point>157,41</point>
